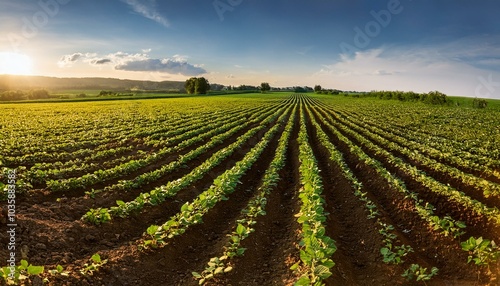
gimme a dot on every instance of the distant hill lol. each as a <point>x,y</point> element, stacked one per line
<point>16,82</point>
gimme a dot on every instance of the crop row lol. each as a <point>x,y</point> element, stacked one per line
<point>192,212</point>
<point>184,126</point>
<point>472,150</point>
<point>421,177</point>
<point>409,149</point>
<point>256,207</point>
<point>217,135</point>
<point>391,252</point>
<point>316,248</point>
<point>159,194</point>
<point>133,165</point>
<point>480,249</point>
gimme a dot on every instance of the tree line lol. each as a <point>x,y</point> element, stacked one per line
<point>11,95</point>
<point>433,97</point>
<point>200,85</point>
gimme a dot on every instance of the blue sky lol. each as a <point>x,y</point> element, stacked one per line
<point>451,46</point>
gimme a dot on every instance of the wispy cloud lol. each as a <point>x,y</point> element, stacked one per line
<point>147,8</point>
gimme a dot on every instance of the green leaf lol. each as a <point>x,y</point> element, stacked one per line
<point>322,271</point>
<point>240,230</point>
<point>384,251</point>
<point>219,270</point>
<point>302,219</point>
<point>240,251</point>
<point>185,207</point>
<point>303,281</point>
<point>59,268</point>
<point>328,263</point>
<point>196,275</point>
<point>305,257</point>
<point>96,258</point>
<point>35,270</point>
<point>24,264</point>
<point>151,230</point>
<point>295,266</point>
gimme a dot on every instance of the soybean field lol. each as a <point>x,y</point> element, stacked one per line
<point>255,189</point>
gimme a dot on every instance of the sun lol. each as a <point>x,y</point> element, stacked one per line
<point>14,63</point>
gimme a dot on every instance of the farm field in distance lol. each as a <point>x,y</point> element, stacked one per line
<point>252,189</point>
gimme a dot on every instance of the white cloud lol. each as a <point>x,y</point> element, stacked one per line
<point>147,9</point>
<point>171,66</point>
<point>180,58</point>
<point>419,69</point>
<point>139,62</point>
<point>100,61</point>
<point>69,60</point>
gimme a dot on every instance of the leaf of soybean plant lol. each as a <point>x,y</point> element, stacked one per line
<point>295,266</point>
<point>240,229</point>
<point>96,258</point>
<point>302,219</point>
<point>151,230</point>
<point>240,251</point>
<point>328,263</point>
<point>24,264</point>
<point>384,251</point>
<point>35,270</point>
<point>219,270</point>
<point>303,281</point>
<point>305,257</point>
<point>185,207</point>
<point>322,271</point>
<point>196,275</point>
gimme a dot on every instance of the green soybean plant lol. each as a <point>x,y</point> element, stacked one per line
<point>21,274</point>
<point>419,273</point>
<point>483,251</point>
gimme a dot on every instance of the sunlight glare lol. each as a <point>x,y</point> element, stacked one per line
<point>13,63</point>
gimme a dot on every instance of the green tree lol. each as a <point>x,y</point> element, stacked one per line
<point>265,87</point>
<point>197,85</point>
<point>479,103</point>
<point>190,85</point>
<point>317,88</point>
<point>38,94</point>
<point>434,97</point>
<point>202,86</point>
